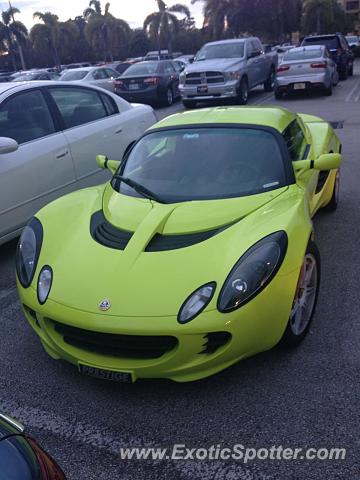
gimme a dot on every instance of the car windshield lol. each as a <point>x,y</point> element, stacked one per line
<point>224,50</point>
<point>73,75</point>
<point>204,163</point>
<point>303,54</point>
<point>332,43</point>
<point>146,68</point>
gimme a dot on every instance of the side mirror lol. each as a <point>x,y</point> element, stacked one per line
<point>103,162</point>
<point>327,161</point>
<point>8,145</point>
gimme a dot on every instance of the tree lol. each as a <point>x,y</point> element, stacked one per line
<point>103,31</point>
<point>12,33</point>
<point>323,16</point>
<point>218,17</point>
<point>48,32</point>
<point>161,25</point>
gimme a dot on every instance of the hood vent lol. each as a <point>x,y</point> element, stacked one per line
<point>106,234</point>
<point>162,243</point>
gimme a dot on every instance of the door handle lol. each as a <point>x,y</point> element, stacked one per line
<point>119,130</point>
<point>62,154</point>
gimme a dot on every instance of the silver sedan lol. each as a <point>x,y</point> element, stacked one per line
<point>98,76</point>
<point>306,68</point>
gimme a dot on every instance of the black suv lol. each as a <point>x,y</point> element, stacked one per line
<point>339,50</point>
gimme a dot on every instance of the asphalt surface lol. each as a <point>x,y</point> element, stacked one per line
<point>304,398</point>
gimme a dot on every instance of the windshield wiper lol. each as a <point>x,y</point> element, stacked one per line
<point>139,188</point>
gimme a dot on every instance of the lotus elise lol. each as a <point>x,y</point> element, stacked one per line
<point>198,253</point>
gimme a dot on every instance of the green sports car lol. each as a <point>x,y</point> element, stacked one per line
<point>200,251</point>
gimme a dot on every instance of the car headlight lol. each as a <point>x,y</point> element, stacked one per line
<point>28,251</point>
<point>253,272</point>
<point>44,284</point>
<point>196,303</point>
<point>232,75</point>
<point>182,78</point>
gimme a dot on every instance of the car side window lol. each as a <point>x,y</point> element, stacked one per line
<point>169,69</point>
<point>110,73</point>
<point>78,105</point>
<point>249,49</point>
<point>99,74</point>
<point>110,105</point>
<point>295,141</point>
<point>26,117</point>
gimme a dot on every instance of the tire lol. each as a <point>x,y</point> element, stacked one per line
<point>278,94</point>
<point>269,84</point>
<point>243,95</point>
<point>343,73</point>
<point>328,91</point>
<point>296,330</point>
<point>189,103</point>
<point>334,202</point>
<point>169,100</point>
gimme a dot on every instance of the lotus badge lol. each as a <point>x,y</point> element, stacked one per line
<point>105,305</point>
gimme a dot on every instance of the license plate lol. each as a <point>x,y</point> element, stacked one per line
<point>121,377</point>
<point>203,89</point>
<point>299,86</point>
<point>134,86</point>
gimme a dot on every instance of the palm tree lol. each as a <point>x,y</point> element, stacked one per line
<point>103,31</point>
<point>12,33</point>
<point>218,16</point>
<point>322,16</point>
<point>49,30</point>
<point>164,22</point>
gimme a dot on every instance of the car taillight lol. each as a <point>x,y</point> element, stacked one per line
<point>119,83</point>
<point>283,68</point>
<point>318,65</point>
<point>49,469</point>
<point>152,81</point>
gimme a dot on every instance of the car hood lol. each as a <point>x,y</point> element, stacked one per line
<point>171,250</point>
<point>217,64</point>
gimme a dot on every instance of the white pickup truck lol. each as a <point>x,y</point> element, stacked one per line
<point>228,69</point>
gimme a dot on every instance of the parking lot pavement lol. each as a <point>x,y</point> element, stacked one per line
<point>304,398</point>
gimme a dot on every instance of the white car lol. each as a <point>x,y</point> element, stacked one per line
<point>50,134</point>
<point>98,76</point>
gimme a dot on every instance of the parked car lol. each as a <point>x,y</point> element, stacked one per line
<point>34,75</point>
<point>155,55</point>
<point>71,66</point>
<point>21,458</point>
<point>306,68</point>
<point>186,58</point>
<point>353,41</point>
<point>98,76</point>
<point>52,131</point>
<point>228,69</point>
<point>120,67</point>
<point>5,76</point>
<point>149,82</point>
<point>198,253</point>
<point>339,49</point>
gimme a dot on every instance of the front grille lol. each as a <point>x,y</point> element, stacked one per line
<point>124,346</point>
<point>204,78</point>
<point>106,234</point>
<point>214,341</point>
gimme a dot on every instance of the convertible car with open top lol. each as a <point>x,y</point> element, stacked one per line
<point>198,253</point>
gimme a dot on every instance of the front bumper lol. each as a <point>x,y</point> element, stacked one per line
<point>254,328</point>
<point>287,83</point>
<point>228,89</point>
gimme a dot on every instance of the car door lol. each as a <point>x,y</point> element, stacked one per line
<point>170,71</point>
<point>251,64</point>
<point>102,79</point>
<point>93,125</point>
<point>41,169</point>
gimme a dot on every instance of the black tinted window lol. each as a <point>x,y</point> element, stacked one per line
<point>295,141</point>
<point>332,43</point>
<point>78,105</point>
<point>26,117</point>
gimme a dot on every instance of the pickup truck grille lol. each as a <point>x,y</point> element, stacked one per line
<point>204,78</point>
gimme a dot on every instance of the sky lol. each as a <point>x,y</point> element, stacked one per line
<point>133,11</point>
